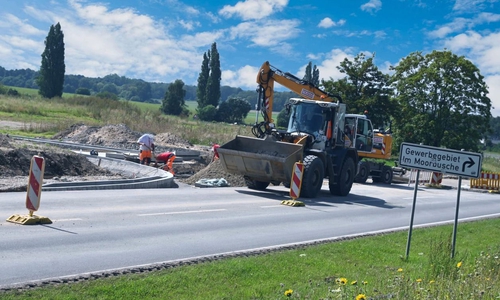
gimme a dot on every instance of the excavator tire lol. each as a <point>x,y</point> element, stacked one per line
<point>364,171</point>
<point>386,175</point>
<point>255,184</point>
<point>346,178</point>
<point>312,180</point>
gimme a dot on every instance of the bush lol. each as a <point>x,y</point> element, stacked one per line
<point>13,92</point>
<point>207,113</point>
<point>82,91</point>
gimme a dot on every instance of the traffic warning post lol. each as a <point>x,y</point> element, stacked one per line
<point>34,192</point>
<point>295,185</point>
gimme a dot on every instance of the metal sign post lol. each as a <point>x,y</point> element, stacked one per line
<point>410,230</point>
<point>461,163</point>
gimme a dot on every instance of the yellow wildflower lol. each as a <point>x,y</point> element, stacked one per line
<point>341,280</point>
<point>354,282</point>
<point>288,292</point>
<point>459,264</point>
<point>419,280</point>
<point>400,270</point>
<point>432,281</point>
<point>365,282</point>
<point>361,297</point>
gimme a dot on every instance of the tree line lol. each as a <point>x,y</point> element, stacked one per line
<point>438,99</point>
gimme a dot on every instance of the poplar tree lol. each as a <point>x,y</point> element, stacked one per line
<point>201,91</point>
<point>213,84</point>
<point>51,76</point>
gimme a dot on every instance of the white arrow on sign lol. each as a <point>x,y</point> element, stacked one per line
<point>448,161</point>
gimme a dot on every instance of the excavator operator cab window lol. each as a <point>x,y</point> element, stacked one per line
<point>364,135</point>
<point>308,118</point>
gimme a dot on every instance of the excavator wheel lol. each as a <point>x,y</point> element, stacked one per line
<point>386,176</point>
<point>255,184</point>
<point>312,180</point>
<point>364,171</point>
<point>345,179</point>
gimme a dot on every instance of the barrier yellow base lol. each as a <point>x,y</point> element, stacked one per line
<point>292,203</point>
<point>29,220</point>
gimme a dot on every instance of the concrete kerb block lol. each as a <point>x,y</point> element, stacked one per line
<point>142,177</point>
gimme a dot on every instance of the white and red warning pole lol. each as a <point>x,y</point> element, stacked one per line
<point>296,183</point>
<point>35,181</point>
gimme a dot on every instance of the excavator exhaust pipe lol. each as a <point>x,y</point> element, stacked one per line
<point>266,160</point>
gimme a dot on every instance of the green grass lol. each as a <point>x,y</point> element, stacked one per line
<point>372,266</point>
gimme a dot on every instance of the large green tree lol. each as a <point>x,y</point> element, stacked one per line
<point>213,84</point>
<point>201,91</point>
<point>173,103</point>
<point>364,88</point>
<point>51,77</point>
<point>443,100</point>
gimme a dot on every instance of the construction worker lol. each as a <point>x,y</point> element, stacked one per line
<point>168,159</point>
<point>146,142</point>
<point>216,153</point>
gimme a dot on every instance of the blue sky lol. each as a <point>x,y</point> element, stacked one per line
<point>164,40</point>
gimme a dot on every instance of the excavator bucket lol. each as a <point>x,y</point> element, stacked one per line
<point>264,160</point>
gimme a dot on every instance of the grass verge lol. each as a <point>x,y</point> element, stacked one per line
<point>364,268</point>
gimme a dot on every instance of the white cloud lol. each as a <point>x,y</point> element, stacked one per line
<point>253,9</point>
<point>372,6</point>
<point>270,33</point>
<point>21,26</point>
<point>245,77</point>
<point>494,93</point>
<point>328,67</point>
<point>327,23</point>
<point>471,5</point>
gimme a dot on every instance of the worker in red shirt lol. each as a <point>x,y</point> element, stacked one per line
<point>216,153</point>
<point>168,159</point>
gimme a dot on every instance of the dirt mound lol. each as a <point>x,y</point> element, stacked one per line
<point>117,136</point>
<point>15,160</point>
<point>215,170</point>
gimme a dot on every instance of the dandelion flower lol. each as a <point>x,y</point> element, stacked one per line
<point>419,280</point>
<point>361,297</point>
<point>341,280</point>
<point>432,281</point>
<point>354,282</point>
<point>400,270</point>
<point>365,282</point>
<point>459,264</point>
<point>288,292</point>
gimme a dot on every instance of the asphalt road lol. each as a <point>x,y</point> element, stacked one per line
<point>94,231</point>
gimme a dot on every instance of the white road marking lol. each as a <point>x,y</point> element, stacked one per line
<point>67,220</point>
<point>181,212</point>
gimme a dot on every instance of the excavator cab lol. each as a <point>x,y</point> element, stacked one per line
<point>359,133</point>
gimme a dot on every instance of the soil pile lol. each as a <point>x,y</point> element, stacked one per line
<point>118,136</point>
<point>215,170</point>
<point>15,160</point>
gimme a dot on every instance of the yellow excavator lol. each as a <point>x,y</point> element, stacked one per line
<point>316,136</point>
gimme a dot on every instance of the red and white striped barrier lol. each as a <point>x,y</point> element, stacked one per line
<point>35,182</point>
<point>436,178</point>
<point>423,178</point>
<point>296,184</point>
